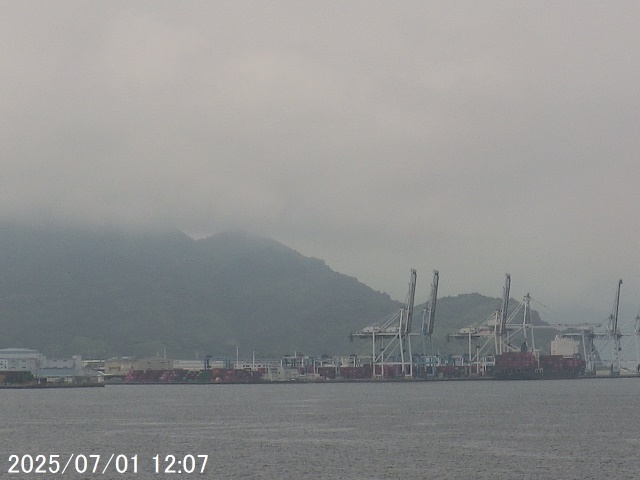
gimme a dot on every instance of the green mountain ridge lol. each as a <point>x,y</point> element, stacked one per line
<point>104,293</point>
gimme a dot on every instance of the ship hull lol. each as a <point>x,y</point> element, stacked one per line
<point>527,366</point>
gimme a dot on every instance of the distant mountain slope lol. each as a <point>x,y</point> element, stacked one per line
<point>107,293</point>
<point>104,293</point>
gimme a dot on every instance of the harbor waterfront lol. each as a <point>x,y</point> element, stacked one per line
<point>505,349</point>
<point>446,430</point>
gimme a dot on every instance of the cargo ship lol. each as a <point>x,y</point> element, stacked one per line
<point>529,366</point>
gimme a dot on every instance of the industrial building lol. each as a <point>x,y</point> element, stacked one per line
<point>25,363</point>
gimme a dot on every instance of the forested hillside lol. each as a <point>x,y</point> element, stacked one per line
<point>103,293</point>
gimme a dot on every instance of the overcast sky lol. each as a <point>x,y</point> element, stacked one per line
<point>476,138</point>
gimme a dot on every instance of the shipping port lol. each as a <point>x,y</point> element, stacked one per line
<point>501,347</point>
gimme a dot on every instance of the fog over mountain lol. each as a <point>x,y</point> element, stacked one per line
<point>470,137</point>
<point>109,292</point>
<point>103,293</point>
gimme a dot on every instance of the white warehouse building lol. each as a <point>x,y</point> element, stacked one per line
<point>21,359</point>
<point>56,370</point>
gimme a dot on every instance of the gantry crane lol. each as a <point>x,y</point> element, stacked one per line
<point>428,318</point>
<point>497,329</point>
<point>391,338</point>
<point>613,335</point>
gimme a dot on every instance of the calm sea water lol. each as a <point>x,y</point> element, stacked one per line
<point>585,429</point>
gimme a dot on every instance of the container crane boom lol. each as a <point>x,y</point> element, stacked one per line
<point>505,303</point>
<point>503,316</point>
<point>410,301</point>
<point>429,313</point>
<point>614,333</point>
<point>613,325</point>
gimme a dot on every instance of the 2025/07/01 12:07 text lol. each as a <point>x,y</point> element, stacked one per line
<point>101,464</point>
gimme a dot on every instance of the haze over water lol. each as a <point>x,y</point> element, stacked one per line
<point>538,429</point>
